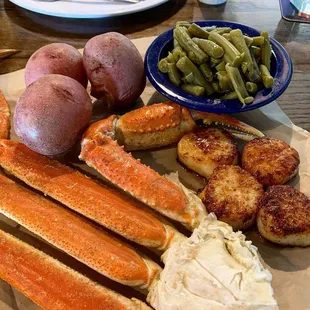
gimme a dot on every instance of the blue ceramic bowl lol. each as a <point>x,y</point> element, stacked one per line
<point>281,69</point>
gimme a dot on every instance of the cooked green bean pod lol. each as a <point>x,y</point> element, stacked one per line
<point>180,33</point>
<point>238,41</point>
<point>182,24</point>
<point>222,30</point>
<point>266,50</point>
<point>178,53</point>
<point>175,43</point>
<point>216,86</point>
<point>248,40</point>
<point>229,96</point>
<point>256,51</point>
<point>207,72</point>
<point>196,31</point>
<point>232,55</point>
<point>186,67</point>
<point>268,80</point>
<point>221,66</point>
<point>209,47</point>
<point>224,81</point>
<point>214,62</point>
<point>174,74</point>
<point>194,90</point>
<point>251,87</point>
<point>258,41</point>
<point>163,65</point>
<point>188,79</point>
<point>238,84</point>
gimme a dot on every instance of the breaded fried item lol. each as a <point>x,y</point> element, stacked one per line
<point>233,194</point>
<point>270,161</point>
<point>206,148</point>
<point>284,216</point>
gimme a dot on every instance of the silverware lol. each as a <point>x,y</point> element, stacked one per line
<point>7,52</point>
<point>93,1</point>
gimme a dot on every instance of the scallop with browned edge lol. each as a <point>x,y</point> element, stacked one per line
<point>270,161</point>
<point>233,194</point>
<point>205,149</point>
<point>284,216</point>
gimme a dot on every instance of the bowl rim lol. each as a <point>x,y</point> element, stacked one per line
<point>161,83</point>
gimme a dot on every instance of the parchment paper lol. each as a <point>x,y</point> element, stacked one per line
<point>290,266</point>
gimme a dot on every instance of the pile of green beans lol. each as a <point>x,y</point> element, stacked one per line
<point>210,61</point>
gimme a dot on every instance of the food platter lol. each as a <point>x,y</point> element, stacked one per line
<point>289,266</point>
<point>76,9</point>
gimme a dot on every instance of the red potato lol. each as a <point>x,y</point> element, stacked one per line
<point>56,58</point>
<point>114,68</point>
<point>51,114</point>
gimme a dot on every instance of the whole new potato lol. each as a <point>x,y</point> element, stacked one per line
<point>52,113</point>
<point>56,58</point>
<point>114,68</point>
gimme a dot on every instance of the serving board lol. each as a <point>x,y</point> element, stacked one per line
<point>290,267</point>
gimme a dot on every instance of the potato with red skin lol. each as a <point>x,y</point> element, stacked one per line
<point>56,58</point>
<point>115,69</point>
<point>52,113</point>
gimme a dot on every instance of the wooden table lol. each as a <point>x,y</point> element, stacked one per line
<point>27,31</point>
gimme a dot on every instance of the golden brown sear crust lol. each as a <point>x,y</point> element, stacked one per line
<point>206,148</point>
<point>284,216</point>
<point>270,161</point>
<point>233,194</point>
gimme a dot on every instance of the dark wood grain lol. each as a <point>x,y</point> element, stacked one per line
<point>27,31</point>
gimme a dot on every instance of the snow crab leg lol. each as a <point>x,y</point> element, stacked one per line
<point>150,127</point>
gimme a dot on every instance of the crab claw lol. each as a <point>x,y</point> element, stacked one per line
<point>237,128</point>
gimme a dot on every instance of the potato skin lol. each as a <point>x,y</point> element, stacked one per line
<point>51,114</point>
<point>115,69</point>
<point>56,58</point>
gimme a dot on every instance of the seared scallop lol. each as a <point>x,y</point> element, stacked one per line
<point>284,216</point>
<point>233,194</point>
<point>205,149</point>
<point>270,161</point>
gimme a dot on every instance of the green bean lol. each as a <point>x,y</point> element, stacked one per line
<point>209,47</point>
<point>174,74</point>
<point>224,81</point>
<point>182,23</point>
<point>255,75</point>
<point>188,79</point>
<point>163,65</point>
<point>232,55</point>
<point>258,41</point>
<point>221,66</point>
<point>196,31</point>
<point>189,45</point>
<point>193,89</point>
<point>170,58</point>
<point>175,43</point>
<point>214,62</point>
<point>178,53</point>
<point>251,87</point>
<point>266,50</point>
<point>256,51</point>
<point>216,87</point>
<point>222,30</point>
<point>207,72</point>
<point>229,96</point>
<point>268,80</point>
<point>186,67</point>
<point>247,39</point>
<point>238,41</point>
<point>238,84</point>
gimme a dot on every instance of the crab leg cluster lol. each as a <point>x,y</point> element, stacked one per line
<point>149,127</point>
